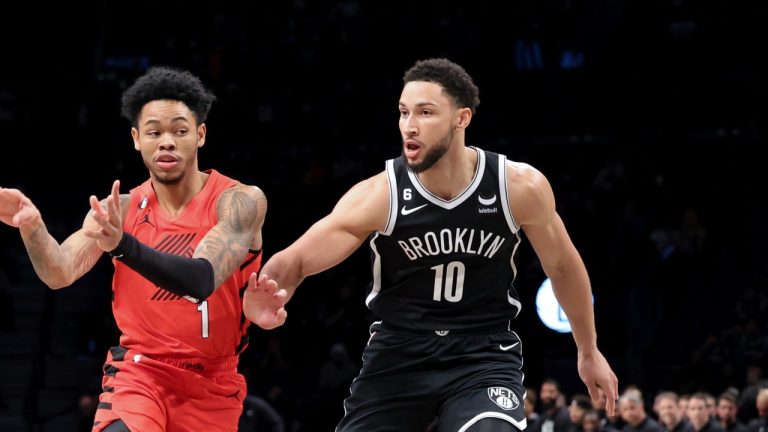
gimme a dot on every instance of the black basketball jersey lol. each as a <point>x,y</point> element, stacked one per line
<point>446,265</point>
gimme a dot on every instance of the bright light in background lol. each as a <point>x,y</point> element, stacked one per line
<point>549,310</point>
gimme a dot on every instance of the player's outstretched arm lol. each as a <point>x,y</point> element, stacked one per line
<point>57,265</point>
<point>361,211</point>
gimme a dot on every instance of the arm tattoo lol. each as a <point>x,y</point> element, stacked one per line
<point>226,245</point>
<point>60,264</point>
<point>125,202</point>
<point>66,262</point>
<point>42,249</point>
<point>85,258</point>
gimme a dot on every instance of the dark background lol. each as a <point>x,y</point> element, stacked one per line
<point>646,116</point>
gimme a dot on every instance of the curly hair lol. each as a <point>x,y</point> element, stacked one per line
<point>165,83</point>
<point>455,81</point>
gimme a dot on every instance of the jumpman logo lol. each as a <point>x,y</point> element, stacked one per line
<point>146,220</point>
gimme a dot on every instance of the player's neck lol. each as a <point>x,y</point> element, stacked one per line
<point>173,198</point>
<point>451,175</point>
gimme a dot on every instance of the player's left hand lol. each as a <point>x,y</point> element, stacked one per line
<point>110,219</point>
<point>264,303</point>
<point>596,373</point>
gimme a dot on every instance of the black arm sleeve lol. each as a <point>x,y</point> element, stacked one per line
<point>183,276</point>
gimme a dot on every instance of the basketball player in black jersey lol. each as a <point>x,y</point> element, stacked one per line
<point>443,222</point>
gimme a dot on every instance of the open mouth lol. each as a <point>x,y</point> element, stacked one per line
<point>411,149</point>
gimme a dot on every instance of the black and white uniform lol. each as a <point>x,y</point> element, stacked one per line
<point>442,287</point>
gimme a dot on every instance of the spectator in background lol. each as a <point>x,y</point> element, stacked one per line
<point>591,422</point>
<point>711,406</point>
<point>698,414</point>
<point>633,413</point>
<point>682,402</point>
<point>579,406</point>
<point>610,422</point>
<point>760,424</point>
<point>727,413</point>
<point>670,415</point>
<point>554,416</point>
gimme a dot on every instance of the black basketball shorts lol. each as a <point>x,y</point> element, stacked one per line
<point>408,381</point>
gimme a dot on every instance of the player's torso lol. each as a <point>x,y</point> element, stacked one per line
<point>155,321</point>
<point>446,265</point>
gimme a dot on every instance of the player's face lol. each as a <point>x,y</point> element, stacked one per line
<point>168,137</point>
<point>427,119</point>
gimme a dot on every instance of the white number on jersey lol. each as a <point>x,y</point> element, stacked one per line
<point>449,281</point>
<point>203,309</point>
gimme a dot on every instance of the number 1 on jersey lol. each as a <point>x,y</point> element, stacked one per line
<point>453,276</point>
<point>203,309</point>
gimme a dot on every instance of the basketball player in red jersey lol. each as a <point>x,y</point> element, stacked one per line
<point>183,245</point>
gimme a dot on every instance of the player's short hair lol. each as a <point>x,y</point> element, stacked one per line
<point>166,83</point>
<point>454,80</point>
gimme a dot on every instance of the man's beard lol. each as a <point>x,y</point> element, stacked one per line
<point>169,180</point>
<point>548,404</point>
<point>432,156</point>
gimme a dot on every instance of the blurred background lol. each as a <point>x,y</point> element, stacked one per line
<point>646,116</point>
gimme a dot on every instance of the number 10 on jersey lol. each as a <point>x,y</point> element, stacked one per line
<point>449,281</point>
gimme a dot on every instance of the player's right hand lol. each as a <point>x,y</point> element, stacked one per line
<point>109,218</point>
<point>264,303</point>
<point>16,209</point>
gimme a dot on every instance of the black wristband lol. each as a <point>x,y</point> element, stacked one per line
<point>119,251</point>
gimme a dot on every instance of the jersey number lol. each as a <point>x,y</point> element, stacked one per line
<point>203,309</point>
<point>449,279</point>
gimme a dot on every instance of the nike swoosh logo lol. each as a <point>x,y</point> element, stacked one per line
<point>508,347</point>
<point>487,201</point>
<point>406,211</point>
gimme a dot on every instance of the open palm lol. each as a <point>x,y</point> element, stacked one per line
<point>264,303</point>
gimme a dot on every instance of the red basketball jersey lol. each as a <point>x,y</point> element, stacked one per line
<point>156,322</point>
